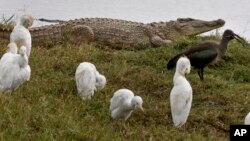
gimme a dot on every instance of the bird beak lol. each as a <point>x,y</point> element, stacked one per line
<point>141,108</point>
<point>240,39</point>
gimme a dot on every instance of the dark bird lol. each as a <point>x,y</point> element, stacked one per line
<point>206,53</point>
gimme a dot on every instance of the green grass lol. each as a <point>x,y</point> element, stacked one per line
<point>48,107</point>
<point>7,24</point>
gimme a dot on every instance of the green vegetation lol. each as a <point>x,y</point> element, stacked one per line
<point>7,23</point>
<point>48,108</point>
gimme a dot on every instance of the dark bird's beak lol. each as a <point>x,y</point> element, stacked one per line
<point>240,39</point>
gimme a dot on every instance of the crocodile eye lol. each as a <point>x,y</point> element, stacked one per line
<point>185,19</point>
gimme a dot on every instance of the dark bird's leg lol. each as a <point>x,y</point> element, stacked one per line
<point>200,73</point>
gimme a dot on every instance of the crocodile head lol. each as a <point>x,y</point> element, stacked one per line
<point>188,27</point>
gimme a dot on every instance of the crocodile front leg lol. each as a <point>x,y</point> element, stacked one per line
<point>82,34</point>
<point>158,41</point>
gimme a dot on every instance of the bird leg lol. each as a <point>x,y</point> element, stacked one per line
<point>123,127</point>
<point>183,128</point>
<point>200,73</point>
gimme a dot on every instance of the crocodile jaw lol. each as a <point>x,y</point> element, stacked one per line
<point>189,27</point>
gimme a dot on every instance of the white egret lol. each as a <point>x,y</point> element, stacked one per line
<point>21,35</point>
<point>181,93</point>
<point>14,69</point>
<point>88,80</point>
<point>123,103</point>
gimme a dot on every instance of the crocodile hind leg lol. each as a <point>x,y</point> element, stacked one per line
<point>81,34</point>
<point>158,41</point>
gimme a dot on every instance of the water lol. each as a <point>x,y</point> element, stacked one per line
<point>235,13</point>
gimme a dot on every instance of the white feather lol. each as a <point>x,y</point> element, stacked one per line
<point>181,94</point>
<point>14,70</point>
<point>21,35</point>
<point>123,103</point>
<point>86,80</point>
<point>100,81</point>
<point>247,119</point>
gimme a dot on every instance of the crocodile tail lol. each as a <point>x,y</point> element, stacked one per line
<point>172,62</point>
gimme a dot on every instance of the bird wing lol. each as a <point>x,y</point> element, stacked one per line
<point>8,69</point>
<point>202,52</point>
<point>21,36</point>
<point>115,101</point>
<point>85,79</point>
<point>201,58</point>
<point>180,102</point>
<point>24,74</point>
<point>119,99</point>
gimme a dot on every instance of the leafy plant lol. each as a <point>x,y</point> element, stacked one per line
<point>7,23</point>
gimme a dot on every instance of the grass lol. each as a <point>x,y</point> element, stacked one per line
<point>7,23</point>
<point>48,108</point>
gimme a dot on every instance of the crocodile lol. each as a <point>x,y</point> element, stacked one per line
<point>119,33</point>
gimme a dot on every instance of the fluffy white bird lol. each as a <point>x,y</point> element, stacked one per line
<point>100,81</point>
<point>247,119</point>
<point>21,35</point>
<point>123,103</point>
<point>88,80</point>
<point>14,69</point>
<point>181,94</point>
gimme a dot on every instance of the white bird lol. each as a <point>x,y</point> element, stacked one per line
<point>123,103</point>
<point>88,80</point>
<point>247,119</point>
<point>181,94</point>
<point>21,35</point>
<point>100,81</point>
<point>14,69</point>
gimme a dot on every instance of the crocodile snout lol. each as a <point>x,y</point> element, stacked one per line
<point>220,22</point>
<point>216,23</point>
